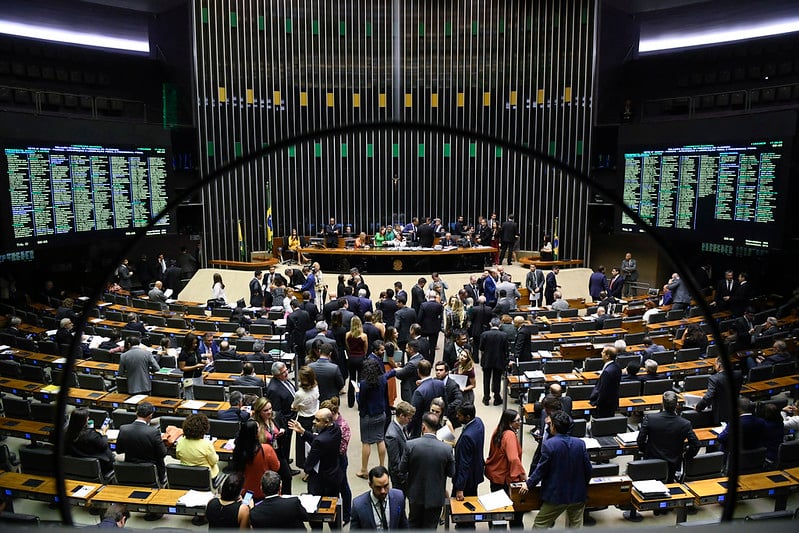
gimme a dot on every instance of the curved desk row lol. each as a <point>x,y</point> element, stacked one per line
<point>422,260</point>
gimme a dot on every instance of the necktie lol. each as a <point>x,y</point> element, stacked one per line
<point>729,286</point>
<point>383,522</point>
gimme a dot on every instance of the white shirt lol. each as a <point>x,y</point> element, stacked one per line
<point>376,510</point>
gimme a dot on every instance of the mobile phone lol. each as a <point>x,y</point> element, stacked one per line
<point>107,422</point>
<point>247,497</point>
<point>469,506</point>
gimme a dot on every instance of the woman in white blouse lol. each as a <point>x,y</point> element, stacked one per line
<point>218,289</point>
<point>305,404</point>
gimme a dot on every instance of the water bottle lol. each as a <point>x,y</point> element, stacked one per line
<point>91,424</point>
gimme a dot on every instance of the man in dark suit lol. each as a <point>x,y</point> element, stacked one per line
<point>718,393</point>
<point>509,232</point>
<point>426,234</point>
<point>428,463</point>
<point>616,283</point>
<point>430,315</point>
<point>172,278</point>
<point>388,306</point>
<point>551,285</point>
<point>745,327</point>
<point>417,295</point>
<point>473,289</point>
<point>480,316</point>
<point>328,375</point>
<point>494,346</point>
<point>469,462</point>
<point>427,389</point>
<point>408,374</point>
<point>725,289</point>
<point>381,502</point>
<point>556,391</point>
<point>605,396</point>
<point>140,442</point>
<point>403,318</point>
<point>397,443</point>
<point>274,511</point>
<point>564,472</point>
<point>321,464</point>
<point>332,232</point>
<point>280,392</point>
<point>453,349</point>
<point>523,349</point>
<point>663,435</point>
<point>597,283</point>
<point>135,325</point>
<point>328,308</point>
<point>739,300</point>
<point>248,378</point>
<point>752,429</point>
<point>297,323</point>
<point>453,396</point>
<point>256,290</point>
<point>399,291</point>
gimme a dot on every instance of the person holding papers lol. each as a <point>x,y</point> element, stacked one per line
<point>663,436</point>
<point>274,512</point>
<point>564,472</point>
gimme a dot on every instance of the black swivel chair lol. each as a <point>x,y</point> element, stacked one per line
<point>16,408</point>
<point>579,392</point>
<point>703,466</point>
<point>629,389</point>
<point>209,393</point>
<point>552,366</point>
<point>687,354</point>
<point>593,364</point>
<point>657,386</point>
<point>561,327</point>
<point>245,389</point>
<point>223,429</point>
<point>788,455</point>
<point>230,366</point>
<point>165,389</point>
<point>85,469</point>
<point>37,461</point>
<point>665,357</point>
<point>227,327</point>
<point>610,426</point>
<point>182,477</point>
<point>752,461</point>
<point>136,474</point>
<point>699,419</point>
<point>165,421</point>
<point>698,382</point>
<point>760,373</point>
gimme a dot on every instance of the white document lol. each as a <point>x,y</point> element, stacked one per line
<point>60,361</point>
<point>691,399</point>
<point>83,298</point>
<point>95,320</point>
<point>168,292</point>
<point>51,332</point>
<point>308,501</point>
<point>650,486</point>
<point>546,354</point>
<point>445,435</point>
<point>591,443</point>
<point>4,347</point>
<point>230,444</point>
<point>112,434</point>
<point>495,500</point>
<point>192,404</point>
<point>83,491</point>
<point>630,437</point>
<point>535,375</point>
<point>461,379</point>
<point>136,399</point>
<point>196,498</point>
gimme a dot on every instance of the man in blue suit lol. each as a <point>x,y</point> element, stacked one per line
<point>382,508</point>
<point>597,283</point>
<point>427,389</point>
<point>564,472</point>
<point>469,462</point>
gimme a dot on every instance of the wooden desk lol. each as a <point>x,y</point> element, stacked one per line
<point>75,396</point>
<point>327,511</point>
<point>28,486</point>
<point>401,259</point>
<point>626,405</point>
<point>97,368</point>
<point>565,336</point>
<point>166,501</point>
<point>136,498</point>
<point>26,429</point>
<point>457,512</point>
<point>709,490</point>
<point>680,499</point>
<point>114,400</point>
<point>766,484</point>
<point>774,385</point>
<point>34,358</point>
<point>168,405</point>
<point>527,261</point>
<point>602,491</point>
<point>19,387</point>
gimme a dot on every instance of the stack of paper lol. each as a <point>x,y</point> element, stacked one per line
<point>691,399</point>
<point>495,500</point>
<point>591,443</point>
<point>192,404</point>
<point>628,438</point>
<point>196,498</point>
<point>534,375</point>
<point>309,502</point>
<point>136,399</point>
<point>651,488</point>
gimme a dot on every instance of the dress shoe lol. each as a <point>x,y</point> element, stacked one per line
<point>294,471</point>
<point>497,402</point>
<point>485,401</point>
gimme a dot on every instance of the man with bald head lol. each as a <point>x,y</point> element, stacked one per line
<point>321,463</point>
<point>566,402</point>
<point>663,435</point>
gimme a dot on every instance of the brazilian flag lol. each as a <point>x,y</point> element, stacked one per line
<point>269,232</point>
